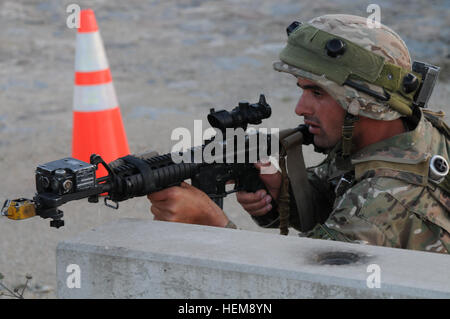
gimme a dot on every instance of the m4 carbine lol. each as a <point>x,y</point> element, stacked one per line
<point>68,179</point>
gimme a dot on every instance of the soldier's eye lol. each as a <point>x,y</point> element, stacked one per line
<point>317,93</point>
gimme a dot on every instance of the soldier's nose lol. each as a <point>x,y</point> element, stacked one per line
<point>303,108</point>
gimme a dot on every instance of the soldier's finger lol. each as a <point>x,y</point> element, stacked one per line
<point>157,215</point>
<point>158,196</point>
<point>249,198</point>
<point>160,214</point>
<point>258,205</point>
<point>262,211</point>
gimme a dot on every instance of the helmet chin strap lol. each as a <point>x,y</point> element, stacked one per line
<point>343,161</point>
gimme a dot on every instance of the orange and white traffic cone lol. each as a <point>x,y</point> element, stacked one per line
<point>97,121</point>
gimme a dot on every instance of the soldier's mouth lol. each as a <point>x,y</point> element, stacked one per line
<point>314,128</point>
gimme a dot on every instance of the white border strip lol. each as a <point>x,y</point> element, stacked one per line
<point>94,97</point>
<point>90,53</point>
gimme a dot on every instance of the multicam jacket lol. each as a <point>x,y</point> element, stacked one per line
<point>387,199</point>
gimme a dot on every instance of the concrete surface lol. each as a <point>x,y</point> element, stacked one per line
<point>134,258</point>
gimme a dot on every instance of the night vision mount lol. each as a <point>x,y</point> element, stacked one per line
<point>429,76</point>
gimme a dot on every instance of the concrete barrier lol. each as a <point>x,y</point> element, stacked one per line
<point>133,258</point>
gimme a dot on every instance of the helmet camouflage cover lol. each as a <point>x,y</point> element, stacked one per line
<point>369,49</point>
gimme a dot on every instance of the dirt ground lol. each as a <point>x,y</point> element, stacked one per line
<point>171,61</point>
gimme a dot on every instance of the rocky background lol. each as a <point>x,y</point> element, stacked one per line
<point>171,61</point>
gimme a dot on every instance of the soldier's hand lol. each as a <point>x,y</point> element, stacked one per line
<point>186,204</point>
<point>259,203</point>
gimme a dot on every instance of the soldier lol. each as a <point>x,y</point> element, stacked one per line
<point>384,180</point>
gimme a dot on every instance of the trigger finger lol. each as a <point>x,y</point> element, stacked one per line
<point>258,205</point>
<point>261,211</point>
<point>250,198</point>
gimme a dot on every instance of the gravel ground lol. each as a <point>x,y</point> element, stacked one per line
<point>171,61</point>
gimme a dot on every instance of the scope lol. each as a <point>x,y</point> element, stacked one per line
<point>242,115</point>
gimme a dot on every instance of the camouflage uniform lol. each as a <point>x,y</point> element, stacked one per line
<point>384,206</point>
<point>379,204</point>
<point>386,198</point>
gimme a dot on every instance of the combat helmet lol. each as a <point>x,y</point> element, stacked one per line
<point>366,70</point>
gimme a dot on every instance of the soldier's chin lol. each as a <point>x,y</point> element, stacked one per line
<point>323,143</point>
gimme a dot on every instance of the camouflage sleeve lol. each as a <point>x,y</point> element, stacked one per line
<point>388,212</point>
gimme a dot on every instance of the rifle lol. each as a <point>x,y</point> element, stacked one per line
<point>68,179</point>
